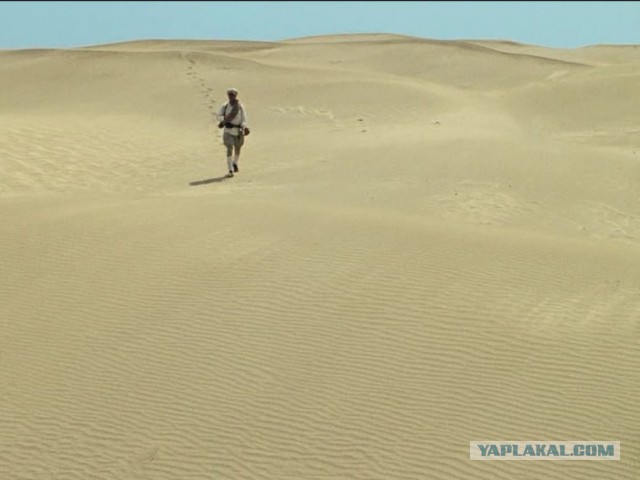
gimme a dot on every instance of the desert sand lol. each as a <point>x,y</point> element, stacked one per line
<point>428,243</point>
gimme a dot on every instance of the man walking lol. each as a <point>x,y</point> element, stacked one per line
<point>233,119</point>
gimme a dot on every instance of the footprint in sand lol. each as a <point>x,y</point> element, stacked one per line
<point>202,84</point>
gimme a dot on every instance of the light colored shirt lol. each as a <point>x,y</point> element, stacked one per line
<point>240,119</point>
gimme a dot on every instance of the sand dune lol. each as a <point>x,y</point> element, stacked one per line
<point>428,243</point>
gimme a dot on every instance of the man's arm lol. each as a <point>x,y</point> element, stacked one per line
<point>244,122</point>
<point>243,118</point>
<point>221,112</point>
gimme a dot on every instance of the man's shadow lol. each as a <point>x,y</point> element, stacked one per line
<point>209,180</point>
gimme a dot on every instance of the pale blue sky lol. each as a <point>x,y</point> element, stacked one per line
<point>555,24</point>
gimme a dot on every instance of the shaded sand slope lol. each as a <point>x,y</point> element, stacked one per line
<point>428,243</point>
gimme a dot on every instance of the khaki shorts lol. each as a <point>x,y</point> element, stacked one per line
<point>233,140</point>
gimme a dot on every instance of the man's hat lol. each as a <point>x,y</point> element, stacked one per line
<point>232,91</point>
